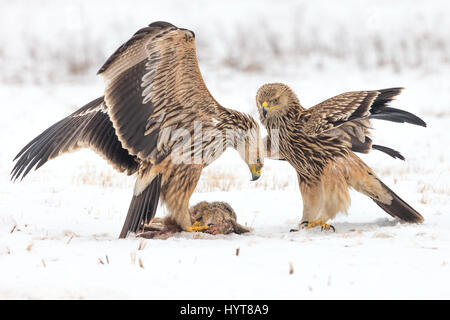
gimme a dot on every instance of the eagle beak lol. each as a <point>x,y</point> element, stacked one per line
<point>255,173</point>
<point>266,108</point>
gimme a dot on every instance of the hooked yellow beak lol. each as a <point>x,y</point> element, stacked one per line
<point>266,108</point>
<point>255,173</point>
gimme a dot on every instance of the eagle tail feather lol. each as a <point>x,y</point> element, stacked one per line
<point>398,207</point>
<point>393,153</point>
<point>142,207</point>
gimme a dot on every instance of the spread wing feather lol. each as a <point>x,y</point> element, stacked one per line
<point>153,82</point>
<point>89,126</point>
<point>348,116</point>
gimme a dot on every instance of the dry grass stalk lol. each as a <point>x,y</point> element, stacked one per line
<point>142,245</point>
<point>70,239</point>
<point>423,200</point>
<point>30,246</point>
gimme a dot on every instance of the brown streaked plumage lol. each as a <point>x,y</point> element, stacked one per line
<point>320,142</point>
<point>148,123</point>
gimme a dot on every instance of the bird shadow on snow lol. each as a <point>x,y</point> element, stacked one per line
<point>282,230</point>
<point>342,228</point>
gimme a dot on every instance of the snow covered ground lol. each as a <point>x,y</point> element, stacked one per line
<point>59,227</point>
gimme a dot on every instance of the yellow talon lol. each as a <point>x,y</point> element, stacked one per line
<point>196,227</point>
<point>318,223</point>
<point>315,223</point>
<point>327,227</point>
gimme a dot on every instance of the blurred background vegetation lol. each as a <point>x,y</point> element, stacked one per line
<point>49,41</point>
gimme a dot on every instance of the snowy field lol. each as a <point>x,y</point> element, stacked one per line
<point>59,226</point>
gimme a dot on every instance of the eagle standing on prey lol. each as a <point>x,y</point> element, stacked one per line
<point>319,143</point>
<point>155,102</point>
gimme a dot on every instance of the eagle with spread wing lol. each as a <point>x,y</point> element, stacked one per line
<point>320,142</point>
<point>157,120</point>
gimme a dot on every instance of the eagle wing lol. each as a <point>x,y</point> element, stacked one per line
<point>153,86</point>
<point>89,126</point>
<point>348,116</point>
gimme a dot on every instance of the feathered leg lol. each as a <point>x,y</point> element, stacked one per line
<point>324,200</point>
<point>142,207</point>
<point>313,207</point>
<point>178,184</point>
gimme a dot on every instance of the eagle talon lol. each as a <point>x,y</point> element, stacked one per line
<point>317,223</point>
<point>196,227</point>
<point>327,227</point>
<point>304,224</point>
